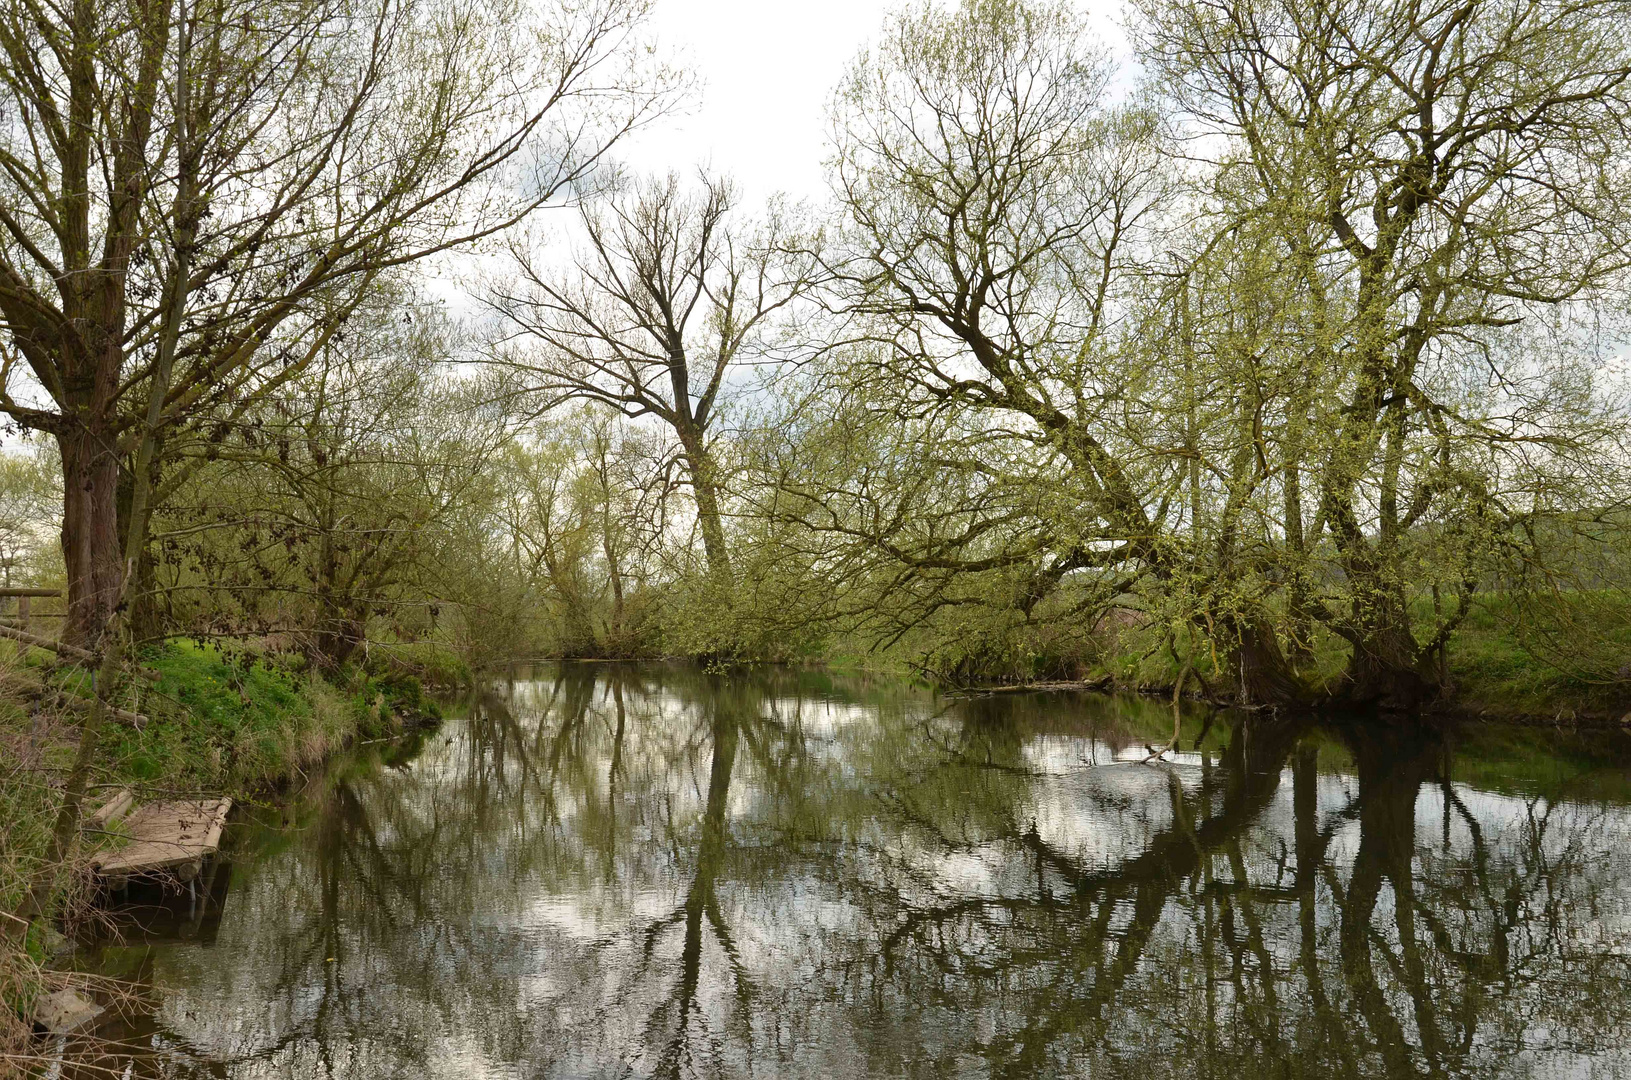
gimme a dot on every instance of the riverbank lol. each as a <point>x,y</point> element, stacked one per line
<point>213,721</point>
<point>1498,666</point>
<point>1492,676</point>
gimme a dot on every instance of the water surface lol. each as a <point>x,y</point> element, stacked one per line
<point>631,871</point>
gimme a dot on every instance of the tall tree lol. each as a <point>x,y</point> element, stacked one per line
<point>999,210</point>
<point>671,295</point>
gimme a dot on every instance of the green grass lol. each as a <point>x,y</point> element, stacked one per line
<point>1494,669</point>
<point>227,718</point>
<point>226,722</point>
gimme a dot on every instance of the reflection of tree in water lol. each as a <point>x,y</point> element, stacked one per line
<point>654,872</point>
<point>1057,955</point>
<point>1181,960</point>
<point>676,1015</point>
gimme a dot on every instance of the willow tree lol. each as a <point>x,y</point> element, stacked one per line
<point>196,194</point>
<point>1444,186</point>
<point>671,295</point>
<point>1000,209</point>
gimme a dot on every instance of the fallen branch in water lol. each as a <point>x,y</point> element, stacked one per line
<point>1177,701</point>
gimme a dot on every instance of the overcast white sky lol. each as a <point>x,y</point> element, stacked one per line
<point>767,69</point>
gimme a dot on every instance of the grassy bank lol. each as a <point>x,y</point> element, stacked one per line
<point>235,726</point>
<point>217,721</point>
<point>1491,671</point>
<point>1496,672</point>
<point>1499,663</point>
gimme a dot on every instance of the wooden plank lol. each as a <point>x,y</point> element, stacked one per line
<point>212,838</point>
<point>117,806</point>
<point>30,592</point>
<point>165,835</point>
<point>65,1011</point>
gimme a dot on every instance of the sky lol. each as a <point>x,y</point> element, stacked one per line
<point>768,69</point>
<point>765,71</point>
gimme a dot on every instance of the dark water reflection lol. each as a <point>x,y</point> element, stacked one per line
<point>610,871</point>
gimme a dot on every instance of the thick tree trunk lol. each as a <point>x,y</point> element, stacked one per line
<point>340,628</point>
<point>1386,668</point>
<point>338,635</point>
<point>337,641</point>
<point>703,489</point>
<point>1385,671</point>
<point>90,532</point>
<point>1299,613</point>
<point>1263,675</point>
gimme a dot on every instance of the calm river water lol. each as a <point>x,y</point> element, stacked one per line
<point>641,870</point>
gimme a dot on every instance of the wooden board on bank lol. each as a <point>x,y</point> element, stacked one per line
<point>174,836</point>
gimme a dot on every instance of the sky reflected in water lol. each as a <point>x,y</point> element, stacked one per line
<point>644,870</point>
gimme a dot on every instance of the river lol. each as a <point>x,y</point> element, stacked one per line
<point>601,870</point>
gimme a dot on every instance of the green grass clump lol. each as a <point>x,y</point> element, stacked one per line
<point>229,720</point>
